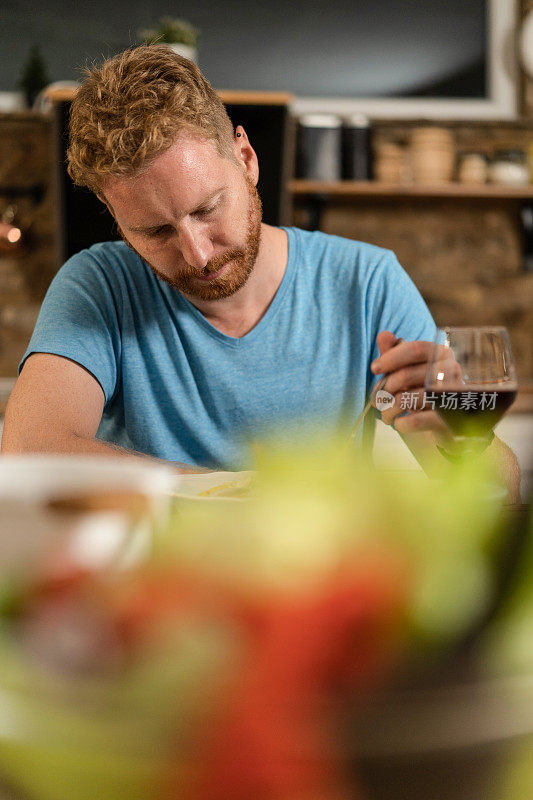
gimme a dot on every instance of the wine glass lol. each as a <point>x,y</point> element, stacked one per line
<point>471,381</point>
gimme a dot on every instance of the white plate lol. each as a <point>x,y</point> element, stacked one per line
<point>39,478</point>
<point>194,486</point>
<point>29,528</point>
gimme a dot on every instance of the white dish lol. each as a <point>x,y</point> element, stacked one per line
<point>204,486</point>
<point>30,527</point>
<point>39,478</point>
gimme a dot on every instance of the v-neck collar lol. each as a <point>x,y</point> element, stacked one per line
<point>264,322</point>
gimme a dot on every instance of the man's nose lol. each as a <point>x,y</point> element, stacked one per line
<point>195,245</point>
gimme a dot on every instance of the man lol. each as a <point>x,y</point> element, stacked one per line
<point>205,328</point>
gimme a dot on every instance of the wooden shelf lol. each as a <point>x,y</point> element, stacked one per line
<point>230,96</point>
<point>246,98</point>
<point>377,189</point>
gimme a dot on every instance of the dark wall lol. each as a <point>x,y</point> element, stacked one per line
<point>308,47</point>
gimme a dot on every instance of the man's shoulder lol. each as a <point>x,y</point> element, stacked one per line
<point>106,274</point>
<point>325,248</point>
<point>111,255</point>
<point>106,266</point>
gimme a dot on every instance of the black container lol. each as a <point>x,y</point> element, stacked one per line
<point>356,149</point>
<point>319,147</point>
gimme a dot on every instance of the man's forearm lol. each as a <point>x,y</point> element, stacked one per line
<point>73,444</point>
<point>499,456</point>
<point>506,468</point>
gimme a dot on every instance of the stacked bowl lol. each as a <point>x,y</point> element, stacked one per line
<point>432,155</point>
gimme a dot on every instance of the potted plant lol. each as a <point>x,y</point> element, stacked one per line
<point>178,34</point>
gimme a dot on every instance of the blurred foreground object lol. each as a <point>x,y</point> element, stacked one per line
<point>243,650</point>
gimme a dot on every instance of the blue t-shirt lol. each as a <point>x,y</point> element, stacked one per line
<point>177,388</point>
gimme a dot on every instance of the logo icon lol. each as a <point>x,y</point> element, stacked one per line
<point>384,400</point>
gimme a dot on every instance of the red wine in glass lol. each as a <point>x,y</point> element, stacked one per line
<point>474,412</point>
<point>471,380</point>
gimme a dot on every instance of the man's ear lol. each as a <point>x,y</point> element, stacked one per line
<point>245,154</point>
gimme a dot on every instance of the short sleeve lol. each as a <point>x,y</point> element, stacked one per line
<point>79,320</point>
<point>395,304</point>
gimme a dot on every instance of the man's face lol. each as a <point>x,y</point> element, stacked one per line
<point>193,216</point>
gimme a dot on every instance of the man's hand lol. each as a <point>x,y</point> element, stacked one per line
<point>406,365</point>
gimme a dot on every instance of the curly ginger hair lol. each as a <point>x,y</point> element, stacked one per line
<point>133,107</point>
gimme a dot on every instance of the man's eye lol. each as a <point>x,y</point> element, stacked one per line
<point>164,230</point>
<point>204,212</point>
